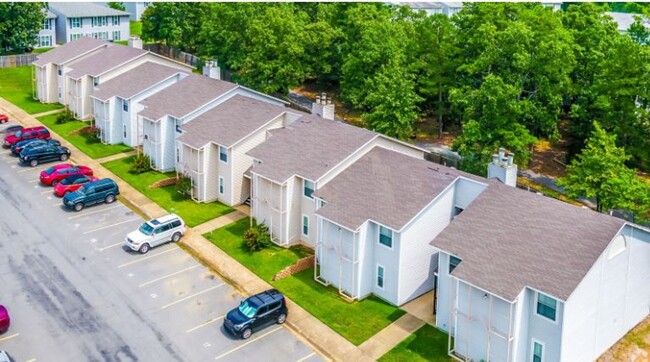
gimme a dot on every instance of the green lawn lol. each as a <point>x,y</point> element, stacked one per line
<point>193,213</point>
<point>135,28</point>
<point>42,50</point>
<point>426,344</point>
<point>356,321</point>
<point>16,87</point>
<point>85,143</point>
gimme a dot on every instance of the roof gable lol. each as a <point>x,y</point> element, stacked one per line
<point>70,51</point>
<point>134,81</point>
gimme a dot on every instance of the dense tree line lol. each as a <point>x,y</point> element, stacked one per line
<point>20,24</point>
<point>506,73</point>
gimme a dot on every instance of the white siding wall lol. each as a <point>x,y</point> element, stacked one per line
<point>267,203</point>
<point>465,191</point>
<point>612,298</point>
<point>416,261</point>
<point>225,171</point>
<point>337,246</point>
<point>63,30</point>
<point>389,259</point>
<point>306,206</point>
<point>445,294</point>
<point>541,329</point>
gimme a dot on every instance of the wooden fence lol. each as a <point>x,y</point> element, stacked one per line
<point>169,52</point>
<point>19,60</point>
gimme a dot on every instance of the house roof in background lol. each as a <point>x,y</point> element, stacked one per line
<point>102,61</point>
<point>82,10</point>
<point>229,122</point>
<point>509,239</point>
<point>310,147</point>
<point>49,14</point>
<point>134,81</point>
<point>184,96</point>
<point>385,186</point>
<point>70,51</point>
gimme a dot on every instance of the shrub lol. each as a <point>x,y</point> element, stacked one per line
<point>65,116</point>
<point>141,163</point>
<point>257,238</point>
<point>184,186</point>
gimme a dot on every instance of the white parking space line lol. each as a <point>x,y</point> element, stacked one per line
<point>28,169</point>
<point>306,357</point>
<point>33,181</point>
<point>168,275</point>
<point>58,203</point>
<point>31,360</point>
<point>148,257</point>
<point>93,212</point>
<point>205,324</point>
<point>9,337</point>
<point>110,246</point>
<point>5,152</point>
<point>247,343</point>
<point>192,296</point>
<point>110,226</point>
<point>46,192</point>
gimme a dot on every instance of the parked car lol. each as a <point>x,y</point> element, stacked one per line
<point>104,190</point>
<point>25,134</point>
<point>256,312</point>
<point>5,321</point>
<point>156,232</point>
<point>72,184</point>
<point>5,357</point>
<point>4,118</point>
<point>54,174</point>
<point>33,142</point>
<point>12,129</point>
<point>35,155</point>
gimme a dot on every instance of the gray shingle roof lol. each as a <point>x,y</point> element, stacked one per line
<point>509,238</point>
<point>385,186</point>
<point>229,122</point>
<point>309,147</point>
<point>184,96</point>
<point>135,81</point>
<point>111,57</point>
<point>69,51</point>
<point>82,10</point>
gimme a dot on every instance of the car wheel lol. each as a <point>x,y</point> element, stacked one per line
<point>54,182</point>
<point>109,199</point>
<point>33,163</point>
<point>78,206</point>
<point>282,318</point>
<point>246,334</point>
<point>63,157</point>
<point>144,248</point>
<point>176,237</point>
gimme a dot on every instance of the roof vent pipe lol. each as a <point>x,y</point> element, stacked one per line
<point>502,152</point>
<point>511,156</point>
<point>495,159</point>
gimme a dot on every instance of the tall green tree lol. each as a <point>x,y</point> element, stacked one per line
<point>174,23</point>
<point>117,5</point>
<point>599,172</point>
<point>20,23</point>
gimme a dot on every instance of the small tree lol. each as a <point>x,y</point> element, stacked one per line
<point>65,116</point>
<point>184,186</point>
<point>141,163</point>
<point>257,238</point>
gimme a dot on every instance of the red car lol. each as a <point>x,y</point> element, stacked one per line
<point>5,321</point>
<point>4,118</point>
<point>55,174</point>
<point>71,184</point>
<point>25,134</point>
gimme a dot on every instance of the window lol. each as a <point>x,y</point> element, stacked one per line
<point>99,21</point>
<point>385,236</point>
<point>59,89</point>
<point>125,105</point>
<point>223,154</point>
<point>305,225</point>
<point>46,24</point>
<point>178,124</point>
<point>380,276</point>
<point>220,185</point>
<point>60,71</point>
<point>124,130</point>
<point>95,81</point>
<point>75,23</point>
<point>453,263</point>
<point>116,21</point>
<point>538,352</point>
<point>457,211</point>
<point>117,35</point>
<point>546,306</point>
<point>45,41</point>
<point>308,188</point>
<point>74,37</point>
<point>178,155</point>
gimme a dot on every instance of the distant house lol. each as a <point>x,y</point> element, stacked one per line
<point>136,8</point>
<point>446,8</point>
<point>555,5</point>
<point>523,277</point>
<point>77,20</point>
<point>47,34</point>
<point>167,110</point>
<point>213,146</point>
<point>625,20</point>
<point>117,101</point>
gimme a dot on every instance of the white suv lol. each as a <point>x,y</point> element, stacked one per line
<point>156,232</point>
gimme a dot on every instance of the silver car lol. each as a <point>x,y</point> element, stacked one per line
<point>156,232</point>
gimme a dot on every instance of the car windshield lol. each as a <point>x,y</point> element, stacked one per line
<point>146,229</point>
<point>247,309</point>
<point>18,134</point>
<point>82,190</point>
<point>49,170</point>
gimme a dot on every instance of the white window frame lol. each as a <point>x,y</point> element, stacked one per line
<point>118,37</point>
<point>223,151</point>
<point>75,23</point>
<point>124,130</point>
<point>95,82</point>
<point>125,105</point>
<point>532,349</point>
<point>115,20</point>
<point>222,186</point>
<point>383,277</point>
<point>46,24</point>
<point>304,188</point>
<point>392,236</point>
<point>557,308</point>
<point>302,229</point>
<point>47,43</point>
<point>75,36</point>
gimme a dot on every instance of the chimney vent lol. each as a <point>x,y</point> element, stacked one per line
<point>211,69</point>
<point>135,42</point>
<point>323,106</point>
<point>503,168</point>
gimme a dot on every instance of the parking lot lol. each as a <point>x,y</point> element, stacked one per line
<point>75,293</point>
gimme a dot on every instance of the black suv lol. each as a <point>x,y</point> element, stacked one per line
<point>35,155</point>
<point>33,142</point>
<point>256,312</point>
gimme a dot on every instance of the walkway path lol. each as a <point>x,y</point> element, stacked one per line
<point>54,111</point>
<point>116,156</point>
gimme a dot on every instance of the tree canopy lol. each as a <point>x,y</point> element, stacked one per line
<point>20,23</point>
